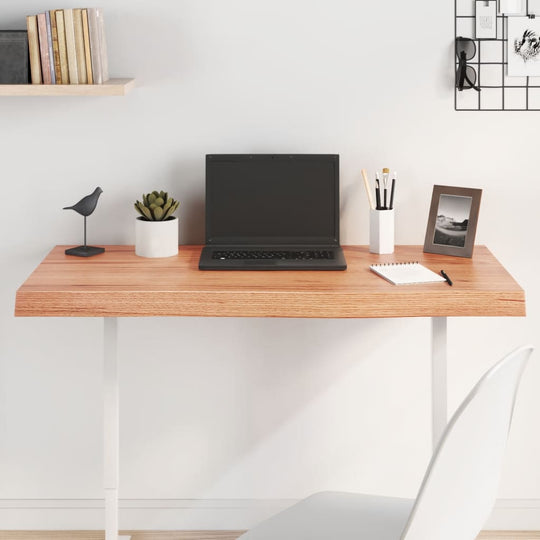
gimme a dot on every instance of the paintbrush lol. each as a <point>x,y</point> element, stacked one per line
<point>385,173</point>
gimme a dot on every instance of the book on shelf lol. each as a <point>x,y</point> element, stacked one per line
<point>95,49</point>
<point>79,46</point>
<point>67,46</point>
<point>103,46</point>
<point>87,52</point>
<point>70,46</point>
<point>98,45</point>
<point>14,57</point>
<point>55,48</point>
<point>44,49</point>
<point>33,49</point>
<point>50,46</point>
<point>64,71</point>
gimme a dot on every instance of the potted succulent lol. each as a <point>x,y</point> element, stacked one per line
<point>156,229</point>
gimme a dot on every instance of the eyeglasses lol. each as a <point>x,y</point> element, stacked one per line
<point>466,74</point>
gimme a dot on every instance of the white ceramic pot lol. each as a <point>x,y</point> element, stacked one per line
<point>156,238</point>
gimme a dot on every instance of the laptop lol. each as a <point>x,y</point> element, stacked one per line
<point>272,212</point>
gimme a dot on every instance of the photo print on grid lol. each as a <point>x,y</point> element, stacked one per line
<point>523,47</point>
<point>452,220</point>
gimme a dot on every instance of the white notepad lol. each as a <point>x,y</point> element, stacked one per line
<point>406,273</point>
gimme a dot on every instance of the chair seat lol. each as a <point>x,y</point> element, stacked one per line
<point>333,515</point>
<point>458,490</point>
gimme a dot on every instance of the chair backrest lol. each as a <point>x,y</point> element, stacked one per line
<point>460,486</point>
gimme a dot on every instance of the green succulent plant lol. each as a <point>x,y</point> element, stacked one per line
<point>156,206</point>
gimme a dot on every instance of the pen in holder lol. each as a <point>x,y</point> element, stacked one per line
<point>381,231</point>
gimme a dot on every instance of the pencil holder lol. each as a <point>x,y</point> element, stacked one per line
<point>381,231</point>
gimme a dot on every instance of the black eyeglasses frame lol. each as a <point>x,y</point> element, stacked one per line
<point>465,51</point>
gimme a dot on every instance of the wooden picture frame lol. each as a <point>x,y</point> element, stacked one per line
<point>453,217</point>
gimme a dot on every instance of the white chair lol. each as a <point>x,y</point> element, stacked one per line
<point>456,495</point>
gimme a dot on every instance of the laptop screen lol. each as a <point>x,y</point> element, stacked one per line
<point>272,199</point>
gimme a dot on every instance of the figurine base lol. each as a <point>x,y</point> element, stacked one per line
<point>85,251</point>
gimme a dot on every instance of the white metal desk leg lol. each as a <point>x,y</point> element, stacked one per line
<point>438,377</point>
<point>111,438</point>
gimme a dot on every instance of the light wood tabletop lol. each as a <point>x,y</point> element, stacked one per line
<point>117,283</point>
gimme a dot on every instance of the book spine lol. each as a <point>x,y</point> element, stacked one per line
<point>64,70</point>
<point>44,48</point>
<point>70,47</point>
<point>56,49</point>
<point>33,49</point>
<point>79,46</point>
<point>87,53</point>
<point>50,44</point>
<point>95,50</point>
<point>103,45</point>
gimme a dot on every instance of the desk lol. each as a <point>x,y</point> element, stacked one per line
<point>120,284</point>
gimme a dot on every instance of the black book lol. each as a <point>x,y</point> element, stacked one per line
<point>14,68</point>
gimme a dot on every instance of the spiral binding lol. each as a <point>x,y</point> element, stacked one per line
<point>396,263</point>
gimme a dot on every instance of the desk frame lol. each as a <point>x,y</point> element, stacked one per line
<point>116,284</point>
<point>111,422</point>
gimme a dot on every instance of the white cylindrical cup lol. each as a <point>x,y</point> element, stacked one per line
<point>381,231</point>
<point>156,238</point>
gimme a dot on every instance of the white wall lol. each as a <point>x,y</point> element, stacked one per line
<point>253,409</point>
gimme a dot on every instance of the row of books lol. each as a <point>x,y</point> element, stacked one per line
<point>68,46</point>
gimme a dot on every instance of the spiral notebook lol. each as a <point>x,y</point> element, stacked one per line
<point>406,273</point>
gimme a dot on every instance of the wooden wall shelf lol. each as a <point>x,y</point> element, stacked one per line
<point>113,87</point>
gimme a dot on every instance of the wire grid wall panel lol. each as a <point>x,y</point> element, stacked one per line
<point>499,92</point>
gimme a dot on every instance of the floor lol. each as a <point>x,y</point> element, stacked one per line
<point>509,535</point>
<point>205,535</point>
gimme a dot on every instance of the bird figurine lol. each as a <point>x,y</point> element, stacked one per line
<point>85,207</point>
<point>87,204</point>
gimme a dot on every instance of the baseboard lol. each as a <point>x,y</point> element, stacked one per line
<point>138,514</point>
<point>515,515</point>
<point>190,514</point>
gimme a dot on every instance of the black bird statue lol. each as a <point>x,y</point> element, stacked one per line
<point>85,207</point>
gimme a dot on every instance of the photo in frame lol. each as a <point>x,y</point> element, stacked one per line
<point>523,47</point>
<point>453,217</point>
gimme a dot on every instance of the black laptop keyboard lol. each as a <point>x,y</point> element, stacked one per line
<point>288,255</point>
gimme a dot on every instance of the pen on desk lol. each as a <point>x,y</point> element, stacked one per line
<point>368,190</point>
<point>378,191</point>
<point>392,191</point>
<point>445,276</point>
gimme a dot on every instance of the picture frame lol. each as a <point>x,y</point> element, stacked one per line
<point>523,53</point>
<point>453,217</point>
